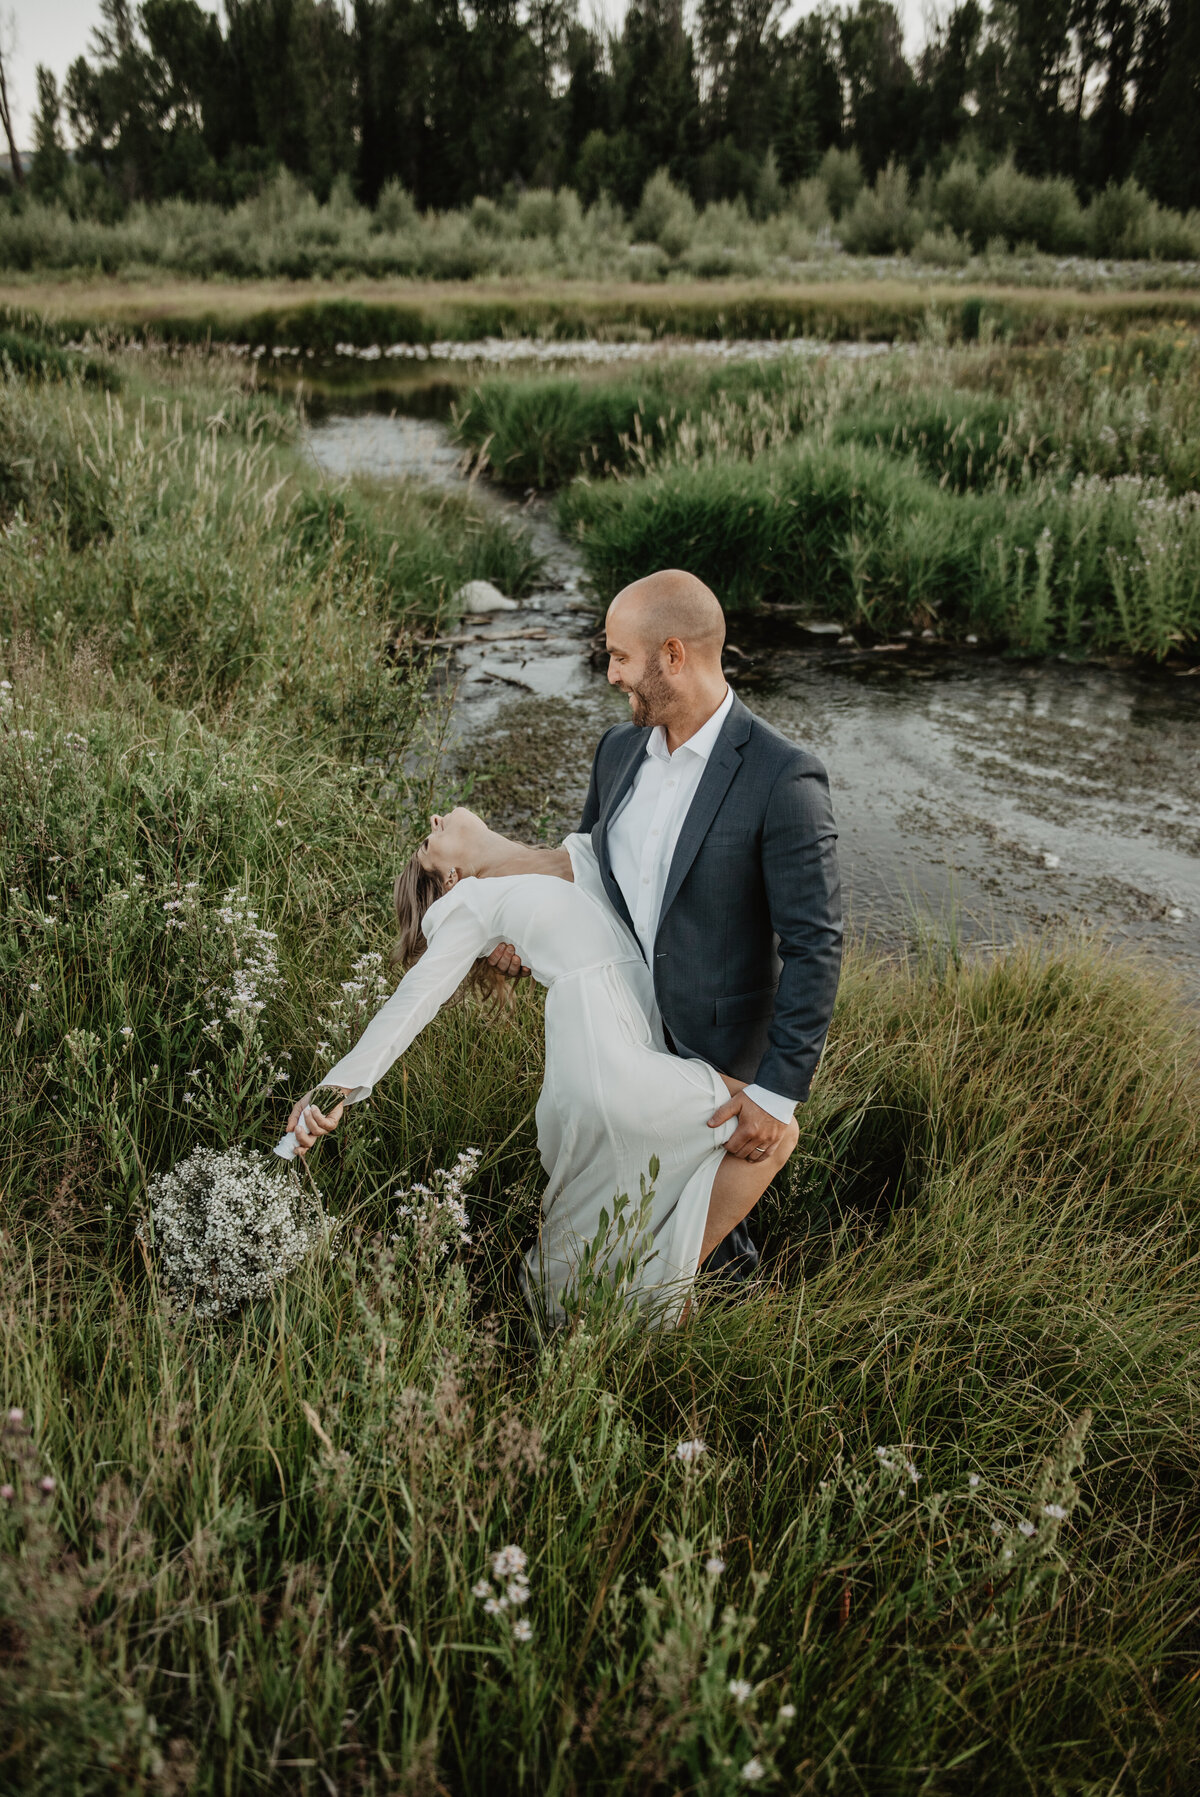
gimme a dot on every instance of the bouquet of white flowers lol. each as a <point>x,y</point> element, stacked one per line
<point>227,1224</point>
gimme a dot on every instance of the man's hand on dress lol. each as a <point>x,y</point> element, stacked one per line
<point>310,1124</point>
<point>507,961</point>
<point>757,1131</point>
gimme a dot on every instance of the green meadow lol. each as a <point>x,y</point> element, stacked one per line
<point>943,1535</point>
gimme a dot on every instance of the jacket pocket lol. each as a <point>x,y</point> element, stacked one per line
<point>745,1007</point>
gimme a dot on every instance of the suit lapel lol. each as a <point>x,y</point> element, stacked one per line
<point>634,756</point>
<point>723,764</point>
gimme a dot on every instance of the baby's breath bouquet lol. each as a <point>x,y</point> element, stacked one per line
<point>228,1223</point>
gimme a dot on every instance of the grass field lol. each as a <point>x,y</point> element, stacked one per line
<point>944,1533</point>
<point>319,314</point>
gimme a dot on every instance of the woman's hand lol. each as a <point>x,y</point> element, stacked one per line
<point>310,1124</point>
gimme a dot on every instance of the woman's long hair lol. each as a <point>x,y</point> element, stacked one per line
<point>415,890</point>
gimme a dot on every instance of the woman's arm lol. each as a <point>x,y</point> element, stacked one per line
<point>456,944</point>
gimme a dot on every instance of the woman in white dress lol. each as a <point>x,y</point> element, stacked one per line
<point>613,1097</point>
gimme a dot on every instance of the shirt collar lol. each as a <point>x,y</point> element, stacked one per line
<point>702,742</point>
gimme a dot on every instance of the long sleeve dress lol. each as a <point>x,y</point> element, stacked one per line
<point>613,1095</point>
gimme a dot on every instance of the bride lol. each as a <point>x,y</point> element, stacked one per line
<point>614,1096</point>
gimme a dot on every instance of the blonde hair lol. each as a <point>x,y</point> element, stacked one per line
<point>415,890</point>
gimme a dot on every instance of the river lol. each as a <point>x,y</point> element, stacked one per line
<point>975,794</point>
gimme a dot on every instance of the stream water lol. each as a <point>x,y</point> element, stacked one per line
<point>992,794</point>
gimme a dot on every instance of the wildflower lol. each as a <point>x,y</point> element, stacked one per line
<point>787,1712</point>
<point>522,1630</point>
<point>16,1414</point>
<point>517,1592</point>
<point>495,1606</point>
<point>690,1451</point>
<point>973,1480</point>
<point>509,1561</point>
<point>997,1528</point>
<point>1055,1511</point>
<point>481,1589</point>
<point>228,1224</point>
<point>753,1771</point>
<point>34,987</point>
<point>714,1566</point>
<point>7,1493</point>
<point>1026,1528</point>
<point>46,1484</point>
<point>125,1031</point>
<point>740,1689</point>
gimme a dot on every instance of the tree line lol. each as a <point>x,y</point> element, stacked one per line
<point>454,100</point>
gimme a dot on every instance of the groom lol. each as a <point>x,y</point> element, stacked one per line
<point>716,844</point>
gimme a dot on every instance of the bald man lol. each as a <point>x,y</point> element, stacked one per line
<point>716,845</point>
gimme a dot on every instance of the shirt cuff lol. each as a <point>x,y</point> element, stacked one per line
<point>783,1109</point>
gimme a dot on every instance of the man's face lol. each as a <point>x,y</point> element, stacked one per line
<point>637,670</point>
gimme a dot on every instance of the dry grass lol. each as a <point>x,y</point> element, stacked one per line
<point>367,310</point>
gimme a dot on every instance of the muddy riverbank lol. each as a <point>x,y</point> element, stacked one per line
<point>983,794</point>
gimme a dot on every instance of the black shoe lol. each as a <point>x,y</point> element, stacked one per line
<point>732,1262</point>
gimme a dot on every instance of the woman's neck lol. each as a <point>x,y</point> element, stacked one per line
<point>499,856</point>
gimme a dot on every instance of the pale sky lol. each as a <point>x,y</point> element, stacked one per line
<point>57,31</point>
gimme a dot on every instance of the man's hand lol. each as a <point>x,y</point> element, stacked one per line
<point>507,961</point>
<point>757,1131</point>
<point>310,1124</point>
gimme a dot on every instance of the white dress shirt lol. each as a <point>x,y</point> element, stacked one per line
<point>644,832</point>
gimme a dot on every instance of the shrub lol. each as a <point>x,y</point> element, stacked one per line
<point>395,209</point>
<point>1018,208</point>
<point>881,219</point>
<point>666,215</point>
<point>840,174</point>
<point>943,248</point>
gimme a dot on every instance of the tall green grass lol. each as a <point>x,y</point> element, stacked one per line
<point>182,525</point>
<point>1042,502</point>
<point>852,535</point>
<point>255,1567</point>
<point>241,1557</point>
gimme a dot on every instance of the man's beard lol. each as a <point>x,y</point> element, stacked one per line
<point>651,696</point>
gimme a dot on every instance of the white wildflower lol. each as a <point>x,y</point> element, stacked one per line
<point>1026,1528</point>
<point>481,1589</point>
<point>714,1566</point>
<point>509,1562</point>
<point>753,1771</point>
<point>690,1451</point>
<point>227,1225</point>
<point>495,1606</point>
<point>438,1219</point>
<point>522,1630</point>
<point>973,1480</point>
<point>1055,1511</point>
<point>517,1592</point>
<point>787,1712</point>
<point>740,1689</point>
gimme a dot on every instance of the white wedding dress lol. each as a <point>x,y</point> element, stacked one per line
<point>613,1097</point>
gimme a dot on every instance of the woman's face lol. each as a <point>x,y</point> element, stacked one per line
<point>450,847</point>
